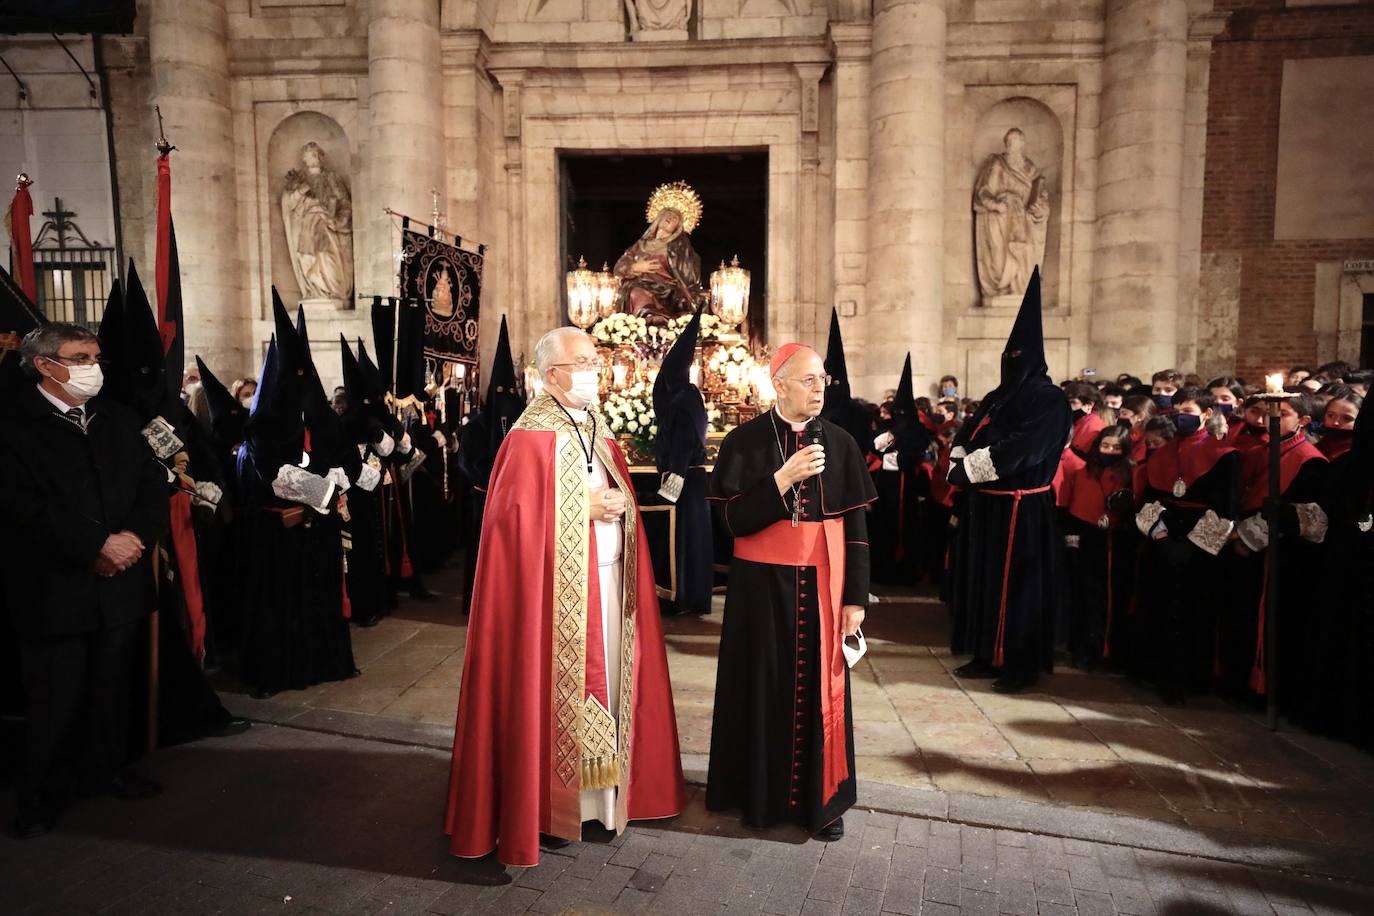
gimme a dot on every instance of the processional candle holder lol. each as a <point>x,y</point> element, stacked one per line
<point>607,287</point>
<point>1274,396</point>
<point>582,295</point>
<point>730,293</point>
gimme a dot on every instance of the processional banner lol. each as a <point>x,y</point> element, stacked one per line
<point>448,280</point>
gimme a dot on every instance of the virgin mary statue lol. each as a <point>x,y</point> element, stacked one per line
<point>660,274</point>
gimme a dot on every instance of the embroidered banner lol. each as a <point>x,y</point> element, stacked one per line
<point>448,280</point>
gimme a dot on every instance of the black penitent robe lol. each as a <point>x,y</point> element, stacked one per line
<point>682,446</point>
<point>768,747</point>
<point>1003,607</point>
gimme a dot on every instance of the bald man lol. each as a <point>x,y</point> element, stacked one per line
<point>792,490</point>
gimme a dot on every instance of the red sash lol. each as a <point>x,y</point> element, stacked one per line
<point>818,544</point>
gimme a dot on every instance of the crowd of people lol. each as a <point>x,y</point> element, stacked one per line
<point>1161,532</point>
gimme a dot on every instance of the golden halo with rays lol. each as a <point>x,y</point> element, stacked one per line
<point>679,196</point>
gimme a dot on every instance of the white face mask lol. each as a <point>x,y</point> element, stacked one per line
<point>585,386</point>
<point>83,382</point>
<point>247,402</point>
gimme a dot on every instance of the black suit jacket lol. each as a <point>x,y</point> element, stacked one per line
<point>62,493</point>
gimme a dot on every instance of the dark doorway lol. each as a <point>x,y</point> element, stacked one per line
<point>603,210</point>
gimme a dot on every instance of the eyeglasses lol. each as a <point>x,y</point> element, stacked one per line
<point>811,381</point>
<point>582,365</point>
<point>81,360</point>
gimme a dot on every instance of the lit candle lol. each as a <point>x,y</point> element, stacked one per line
<point>1274,383</point>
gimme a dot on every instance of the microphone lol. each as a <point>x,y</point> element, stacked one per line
<point>812,434</point>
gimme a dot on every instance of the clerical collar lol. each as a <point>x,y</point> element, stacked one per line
<point>793,424</point>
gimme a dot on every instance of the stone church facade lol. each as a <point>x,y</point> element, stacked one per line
<point>877,116</point>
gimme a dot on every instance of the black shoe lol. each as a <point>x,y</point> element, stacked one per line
<point>34,817</point>
<point>128,785</point>
<point>977,669</point>
<point>368,622</point>
<point>233,726</point>
<point>553,842</point>
<point>1013,683</point>
<point>831,831</point>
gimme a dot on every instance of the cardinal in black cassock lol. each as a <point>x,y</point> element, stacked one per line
<point>793,490</point>
<point>1005,458</point>
<point>680,453</point>
<point>478,444</point>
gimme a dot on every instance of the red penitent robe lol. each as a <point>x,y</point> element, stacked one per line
<point>515,771</point>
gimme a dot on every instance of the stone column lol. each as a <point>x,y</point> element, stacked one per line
<point>1135,292</point>
<point>405,106</point>
<point>851,43</point>
<point>188,49</point>
<point>906,186</point>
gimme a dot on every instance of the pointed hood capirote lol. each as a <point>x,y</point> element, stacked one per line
<point>503,402</point>
<point>142,364</point>
<point>1024,356</point>
<point>837,393</point>
<point>905,400</point>
<point>112,347</point>
<point>678,406</point>
<point>227,415</point>
<point>383,339</point>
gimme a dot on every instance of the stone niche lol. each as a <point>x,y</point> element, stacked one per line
<point>283,155</point>
<point>1044,146</point>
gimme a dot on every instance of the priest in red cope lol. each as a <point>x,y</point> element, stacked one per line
<point>565,714</point>
<point>782,735</point>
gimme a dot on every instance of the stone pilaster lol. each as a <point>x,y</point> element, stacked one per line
<point>851,44</point>
<point>405,105</point>
<point>1135,291</point>
<point>188,48</point>
<point>906,186</point>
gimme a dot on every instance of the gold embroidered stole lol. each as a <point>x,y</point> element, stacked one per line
<point>587,754</point>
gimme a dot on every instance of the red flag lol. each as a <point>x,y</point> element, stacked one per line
<point>164,235</point>
<point>21,241</point>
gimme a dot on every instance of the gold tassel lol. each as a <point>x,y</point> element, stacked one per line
<point>600,773</point>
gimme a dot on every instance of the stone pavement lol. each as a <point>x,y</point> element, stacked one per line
<point>1087,742</point>
<point>287,820</point>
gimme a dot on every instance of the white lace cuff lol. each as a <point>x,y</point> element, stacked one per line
<point>671,488</point>
<point>957,452</point>
<point>1254,532</point>
<point>1071,540</point>
<point>208,494</point>
<point>1210,532</point>
<point>979,468</point>
<point>368,478</point>
<point>297,485</point>
<point>386,446</point>
<point>1147,516</point>
<point>340,479</point>
<point>162,439</point>
<point>1312,522</point>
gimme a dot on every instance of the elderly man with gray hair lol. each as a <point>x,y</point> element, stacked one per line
<point>81,500</point>
<point>565,714</point>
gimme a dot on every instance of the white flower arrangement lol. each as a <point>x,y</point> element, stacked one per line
<point>724,356</point>
<point>631,412</point>
<point>620,328</point>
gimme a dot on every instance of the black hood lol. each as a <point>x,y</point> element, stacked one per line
<point>837,393</point>
<point>227,415</point>
<point>504,403</point>
<point>1024,356</point>
<point>905,401</point>
<point>675,372</point>
<point>384,338</point>
<point>142,365</point>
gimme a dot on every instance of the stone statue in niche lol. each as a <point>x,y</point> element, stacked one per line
<point>317,211</point>
<point>1011,207</point>
<point>660,274</point>
<point>658,20</point>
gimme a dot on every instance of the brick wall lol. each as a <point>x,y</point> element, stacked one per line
<point>1277,278</point>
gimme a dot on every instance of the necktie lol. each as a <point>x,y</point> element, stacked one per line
<point>77,416</point>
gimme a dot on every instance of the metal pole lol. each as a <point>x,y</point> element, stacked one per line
<point>1271,588</point>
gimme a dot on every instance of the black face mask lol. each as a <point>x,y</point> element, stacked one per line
<point>1123,424</point>
<point>1331,433</point>
<point>1109,460</point>
<point>1226,409</point>
<point>1187,423</point>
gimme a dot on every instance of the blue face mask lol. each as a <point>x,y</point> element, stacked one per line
<point>948,391</point>
<point>1187,423</point>
<point>1226,409</point>
<point>1164,401</point>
